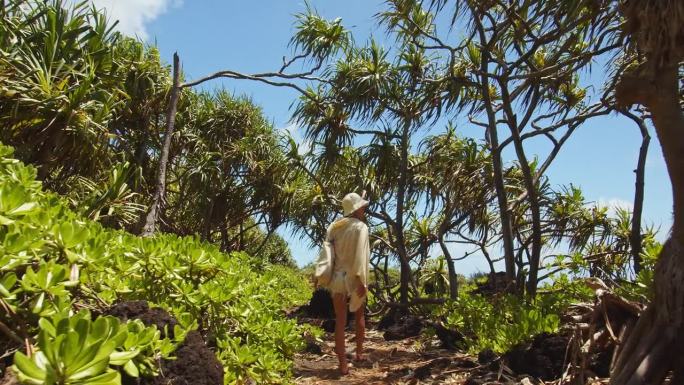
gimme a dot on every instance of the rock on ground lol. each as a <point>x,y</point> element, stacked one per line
<point>546,357</point>
<point>320,311</point>
<point>194,364</point>
<point>408,326</point>
<point>543,358</point>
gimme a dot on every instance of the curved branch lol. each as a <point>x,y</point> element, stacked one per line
<point>264,78</point>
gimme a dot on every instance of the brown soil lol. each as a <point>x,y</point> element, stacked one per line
<point>149,316</point>
<point>413,360</point>
<point>194,362</point>
<point>419,360</point>
<point>7,349</point>
<point>9,378</point>
<point>6,354</point>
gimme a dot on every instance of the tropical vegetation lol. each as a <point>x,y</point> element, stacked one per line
<point>60,269</point>
<point>120,181</point>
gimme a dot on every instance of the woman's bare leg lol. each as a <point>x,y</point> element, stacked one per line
<point>340,305</point>
<point>360,322</point>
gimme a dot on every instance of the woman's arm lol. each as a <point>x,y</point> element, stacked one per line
<point>362,260</point>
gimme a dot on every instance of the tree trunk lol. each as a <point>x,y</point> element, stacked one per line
<point>405,267</point>
<point>44,157</point>
<point>207,220</point>
<point>264,242</point>
<point>493,141</point>
<point>225,241</point>
<point>652,349</point>
<point>502,200</point>
<point>492,269</point>
<point>532,197</point>
<point>241,237</point>
<point>160,188</point>
<point>535,255</point>
<point>635,237</point>
<point>140,157</point>
<point>453,277</point>
<point>497,165</point>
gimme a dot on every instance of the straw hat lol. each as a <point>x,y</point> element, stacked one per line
<point>352,202</point>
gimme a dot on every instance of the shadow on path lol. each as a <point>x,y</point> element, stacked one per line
<point>387,362</point>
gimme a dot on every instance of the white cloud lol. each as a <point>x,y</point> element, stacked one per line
<point>133,15</point>
<point>291,128</point>
<point>613,204</point>
<point>296,132</point>
<point>305,146</point>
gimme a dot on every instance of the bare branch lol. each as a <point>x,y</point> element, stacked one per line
<point>264,78</point>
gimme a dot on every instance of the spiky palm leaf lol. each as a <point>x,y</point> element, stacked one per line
<point>57,93</point>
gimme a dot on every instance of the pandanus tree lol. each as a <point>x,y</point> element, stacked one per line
<point>58,86</point>
<point>78,101</point>
<point>90,108</point>
<point>457,178</point>
<point>512,71</point>
<point>363,85</point>
<point>521,61</point>
<point>598,238</point>
<point>138,120</point>
<point>391,97</point>
<point>225,171</point>
<point>652,77</point>
<point>116,192</point>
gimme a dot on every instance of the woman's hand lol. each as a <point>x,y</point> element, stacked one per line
<point>361,290</point>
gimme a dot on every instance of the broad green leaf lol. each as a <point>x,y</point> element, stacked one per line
<point>24,208</point>
<point>109,378</point>
<point>131,369</point>
<point>120,358</point>
<point>27,369</point>
<point>93,368</point>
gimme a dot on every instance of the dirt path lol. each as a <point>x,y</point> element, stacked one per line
<point>387,362</point>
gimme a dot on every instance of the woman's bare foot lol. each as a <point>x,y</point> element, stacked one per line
<point>344,366</point>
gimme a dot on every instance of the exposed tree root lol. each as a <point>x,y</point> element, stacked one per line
<point>654,348</point>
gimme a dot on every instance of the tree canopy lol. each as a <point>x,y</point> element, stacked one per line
<point>126,140</point>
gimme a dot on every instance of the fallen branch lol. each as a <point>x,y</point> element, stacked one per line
<point>10,333</point>
<point>418,301</point>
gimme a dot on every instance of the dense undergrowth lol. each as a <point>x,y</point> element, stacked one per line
<point>500,322</point>
<point>58,271</point>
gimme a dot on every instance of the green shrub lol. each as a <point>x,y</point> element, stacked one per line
<point>76,350</point>
<point>53,262</point>
<point>501,322</point>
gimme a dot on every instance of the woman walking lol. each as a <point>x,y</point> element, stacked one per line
<point>349,237</point>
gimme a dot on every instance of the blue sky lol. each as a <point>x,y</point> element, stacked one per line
<point>211,35</point>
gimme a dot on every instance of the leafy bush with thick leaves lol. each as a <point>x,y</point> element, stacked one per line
<point>503,321</point>
<point>53,262</point>
<point>76,350</point>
